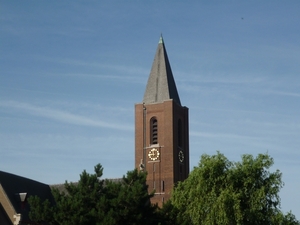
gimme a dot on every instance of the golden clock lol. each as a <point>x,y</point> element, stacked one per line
<point>153,154</point>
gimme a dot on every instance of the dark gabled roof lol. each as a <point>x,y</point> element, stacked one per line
<point>13,185</point>
<point>161,85</point>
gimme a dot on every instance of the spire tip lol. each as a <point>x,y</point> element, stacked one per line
<point>161,40</point>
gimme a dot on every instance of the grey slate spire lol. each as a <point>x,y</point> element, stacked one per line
<point>161,85</point>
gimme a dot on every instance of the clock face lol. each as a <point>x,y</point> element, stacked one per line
<point>153,154</point>
<point>181,156</point>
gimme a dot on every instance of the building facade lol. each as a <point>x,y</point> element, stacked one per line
<point>162,130</point>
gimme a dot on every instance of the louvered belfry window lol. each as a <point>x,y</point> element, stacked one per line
<point>179,133</point>
<point>154,134</point>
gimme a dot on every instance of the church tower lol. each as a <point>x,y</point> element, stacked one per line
<point>162,130</point>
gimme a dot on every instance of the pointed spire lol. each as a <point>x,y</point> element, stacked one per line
<point>161,84</point>
<point>161,40</point>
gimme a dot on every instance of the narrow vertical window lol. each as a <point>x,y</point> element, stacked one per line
<point>153,133</point>
<point>162,186</point>
<point>153,169</point>
<point>179,133</point>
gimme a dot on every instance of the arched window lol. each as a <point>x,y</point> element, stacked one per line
<point>153,131</point>
<point>179,133</point>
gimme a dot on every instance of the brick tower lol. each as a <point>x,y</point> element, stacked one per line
<point>162,130</point>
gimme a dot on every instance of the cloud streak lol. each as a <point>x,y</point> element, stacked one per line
<point>284,93</point>
<point>124,69</point>
<point>62,116</point>
<point>222,135</point>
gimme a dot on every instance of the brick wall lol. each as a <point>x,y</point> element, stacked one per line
<point>164,172</point>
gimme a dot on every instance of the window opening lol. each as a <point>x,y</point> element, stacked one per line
<point>154,134</point>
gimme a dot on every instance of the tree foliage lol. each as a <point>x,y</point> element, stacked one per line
<point>96,201</point>
<point>216,192</point>
<point>222,192</point>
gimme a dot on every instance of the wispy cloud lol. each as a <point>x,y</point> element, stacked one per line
<point>222,135</point>
<point>222,78</point>
<point>125,69</point>
<point>62,116</point>
<point>126,78</point>
<point>93,70</point>
<point>284,93</point>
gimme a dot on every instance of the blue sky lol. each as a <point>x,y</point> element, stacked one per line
<point>71,72</point>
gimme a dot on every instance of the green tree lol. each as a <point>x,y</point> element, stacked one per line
<point>169,215</point>
<point>222,192</point>
<point>130,201</point>
<point>96,201</point>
